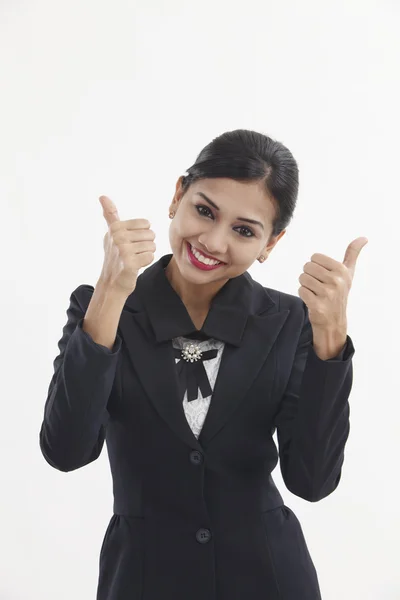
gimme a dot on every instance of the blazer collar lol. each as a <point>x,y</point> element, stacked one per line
<point>227,317</point>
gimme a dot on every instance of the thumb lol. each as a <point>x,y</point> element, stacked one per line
<point>110,211</point>
<point>352,252</point>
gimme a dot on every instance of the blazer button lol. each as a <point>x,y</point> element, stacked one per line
<point>196,457</point>
<point>203,536</point>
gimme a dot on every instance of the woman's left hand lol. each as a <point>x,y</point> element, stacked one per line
<point>325,286</point>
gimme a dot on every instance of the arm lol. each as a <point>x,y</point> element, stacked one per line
<point>75,414</point>
<point>312,421</point>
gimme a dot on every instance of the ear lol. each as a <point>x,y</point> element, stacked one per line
<point>178,194</point>
<point>271,245</point>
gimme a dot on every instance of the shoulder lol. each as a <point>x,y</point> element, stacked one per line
<point>291,302</point>
<point>269,301</point>
<point>282,300</point>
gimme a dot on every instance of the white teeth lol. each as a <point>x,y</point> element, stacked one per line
<point>203,259</point>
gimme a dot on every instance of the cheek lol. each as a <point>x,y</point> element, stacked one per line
<point>184,228</point>
<point>178,233</point>
<point>242,254</point>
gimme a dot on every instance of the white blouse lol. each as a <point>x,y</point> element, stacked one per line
<point>196,410</point>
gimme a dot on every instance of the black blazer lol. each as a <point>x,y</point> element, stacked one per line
<point>201,519</point>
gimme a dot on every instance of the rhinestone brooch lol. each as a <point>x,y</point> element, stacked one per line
<point>191,353</point>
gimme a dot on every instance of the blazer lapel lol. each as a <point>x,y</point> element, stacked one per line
<point>155,367</point>
<point>238,369</point>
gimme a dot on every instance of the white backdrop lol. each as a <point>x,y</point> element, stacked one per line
<point>117,98</point>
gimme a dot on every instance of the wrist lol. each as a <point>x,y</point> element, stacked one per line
<point>110,291</point>
<point>328,343</point>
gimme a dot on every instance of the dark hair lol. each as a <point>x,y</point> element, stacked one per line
<point>246,155</point>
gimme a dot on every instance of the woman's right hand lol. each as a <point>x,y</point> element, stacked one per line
<point>128,246</point>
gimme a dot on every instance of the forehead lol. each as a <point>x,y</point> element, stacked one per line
<point>249,199</point>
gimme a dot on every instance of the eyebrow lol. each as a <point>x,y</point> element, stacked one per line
<point>207,199</point>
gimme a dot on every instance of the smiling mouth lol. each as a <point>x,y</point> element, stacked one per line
<point>193,249</point>
<point>199,264</point>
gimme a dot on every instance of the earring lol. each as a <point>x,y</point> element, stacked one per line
<point>171,215</point>
<point>262,258</point>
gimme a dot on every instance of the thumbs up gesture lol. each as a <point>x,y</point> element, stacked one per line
<point>325,286</point>
<point>128,246</point>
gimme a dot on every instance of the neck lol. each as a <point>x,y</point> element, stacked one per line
<point>196,297</point>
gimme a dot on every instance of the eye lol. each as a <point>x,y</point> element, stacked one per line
<point>242,227</point>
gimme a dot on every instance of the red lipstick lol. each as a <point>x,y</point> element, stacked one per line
<point>199,264</point>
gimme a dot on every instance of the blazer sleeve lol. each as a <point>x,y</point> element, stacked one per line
<point>312,421</point>
<point>75,413</point>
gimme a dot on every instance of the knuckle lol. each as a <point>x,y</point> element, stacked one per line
<point>337,280</point>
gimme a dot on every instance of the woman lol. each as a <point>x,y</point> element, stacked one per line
<point>188,369</point>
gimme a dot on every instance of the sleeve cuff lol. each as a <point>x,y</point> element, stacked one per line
<point>346,352</point>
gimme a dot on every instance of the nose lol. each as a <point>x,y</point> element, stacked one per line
<point>213,244</point>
